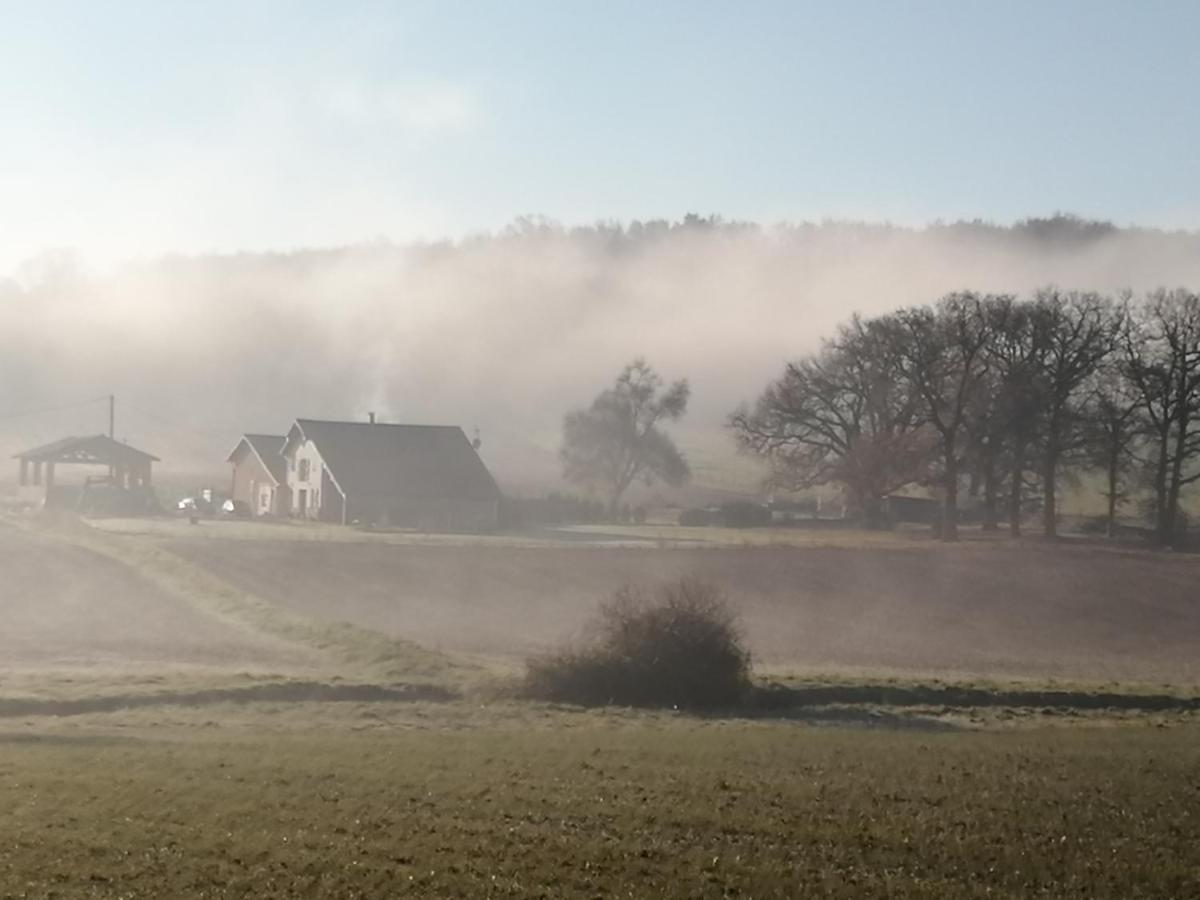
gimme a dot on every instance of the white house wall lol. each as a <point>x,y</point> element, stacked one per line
<point>306,451</point>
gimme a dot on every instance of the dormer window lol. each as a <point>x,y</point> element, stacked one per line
<point>304,468</point>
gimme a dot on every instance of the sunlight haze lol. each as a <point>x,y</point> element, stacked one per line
<point>136,129</point>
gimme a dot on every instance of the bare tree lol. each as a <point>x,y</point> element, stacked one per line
<point>1162,354</point>
<point>1111,432</point>
<point>1015,350</point>
<point>618,439</point>
<point>987,442</point>
<point>1000,389</point>
<point>1079,332</point>
<point>940,352</point>
<point>840,416</point>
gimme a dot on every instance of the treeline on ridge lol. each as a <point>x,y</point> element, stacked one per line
<point>1000,396</point>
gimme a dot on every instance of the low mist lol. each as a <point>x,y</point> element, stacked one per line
<point>503,333</point>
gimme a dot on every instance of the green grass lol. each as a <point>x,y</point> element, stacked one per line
<point>644,807</point>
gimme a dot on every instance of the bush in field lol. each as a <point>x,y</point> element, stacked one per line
<point>678,646</point>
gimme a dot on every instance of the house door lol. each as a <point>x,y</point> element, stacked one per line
<point>302,501</point>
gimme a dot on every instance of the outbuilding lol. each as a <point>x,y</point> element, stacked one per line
<point>126,469</point>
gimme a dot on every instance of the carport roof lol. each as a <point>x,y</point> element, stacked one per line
<point>96,448</point>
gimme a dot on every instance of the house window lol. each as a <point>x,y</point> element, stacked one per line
<point>304,467</point>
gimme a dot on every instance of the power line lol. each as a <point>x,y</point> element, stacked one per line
<point>210,434</point>
<point>180,426</point>
<point>46,410</point>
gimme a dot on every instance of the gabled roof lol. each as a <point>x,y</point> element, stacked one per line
<point>268,448</point>
<point>378,462</point>
<point>96,448</point>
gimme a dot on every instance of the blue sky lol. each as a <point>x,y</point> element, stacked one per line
<point>132,129</point>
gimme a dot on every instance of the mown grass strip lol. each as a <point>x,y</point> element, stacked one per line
<point>780,697</point>
<point>353,650</point>
<point>279,692</point>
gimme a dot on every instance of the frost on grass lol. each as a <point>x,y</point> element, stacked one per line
<point>678,645</point>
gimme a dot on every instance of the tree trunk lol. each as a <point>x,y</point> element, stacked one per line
<point>1170,525</point>
<point>614,502</point>
<point>1161,526</point>
<point>872,512</point>
<point>1114,465</point>
<point>1015,489</point>
<point>1050,495</point>
<point>991,521</point>
<point>950,502</point>
<point>1175,486</point>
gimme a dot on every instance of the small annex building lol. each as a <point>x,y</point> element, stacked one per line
<point>260,475</point>
<point>425,477</point>
<point>127,475</point>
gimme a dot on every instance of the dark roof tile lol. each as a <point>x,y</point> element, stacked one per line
<point>379,461</point>
<point>96,446</point>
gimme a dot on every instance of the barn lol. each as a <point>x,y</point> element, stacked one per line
<point>425,477</point>
<point>260,474</point>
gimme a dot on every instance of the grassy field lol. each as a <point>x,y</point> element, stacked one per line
<point>910,608</point>
<point>202,716</point>
<point>625,808</point>
<point>87,615</point>
<point>84,600</point>
<point>67,607</point>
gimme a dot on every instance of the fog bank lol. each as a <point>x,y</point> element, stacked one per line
<point>504,332</point>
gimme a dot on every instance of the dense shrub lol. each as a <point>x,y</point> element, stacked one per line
<point>679,646</point>
<point>694,518</point>
<point>1094,525</point>
<point>553,509</point>
<point>741,514</point>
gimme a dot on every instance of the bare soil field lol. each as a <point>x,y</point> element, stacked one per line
<point>973,610</point>
<point>65,607</point>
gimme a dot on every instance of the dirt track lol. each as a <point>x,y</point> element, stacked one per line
<point>976,610</point>
<point>64,606</point>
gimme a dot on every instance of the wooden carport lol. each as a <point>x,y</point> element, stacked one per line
<point>128,467</point>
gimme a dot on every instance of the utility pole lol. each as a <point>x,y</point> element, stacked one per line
<point>112,421</point>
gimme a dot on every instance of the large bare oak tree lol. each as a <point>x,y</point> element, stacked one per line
<point>839,416</point>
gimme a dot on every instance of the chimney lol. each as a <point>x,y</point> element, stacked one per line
<point>371,416</point>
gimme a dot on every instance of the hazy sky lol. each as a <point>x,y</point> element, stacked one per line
<point>132,129</point>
